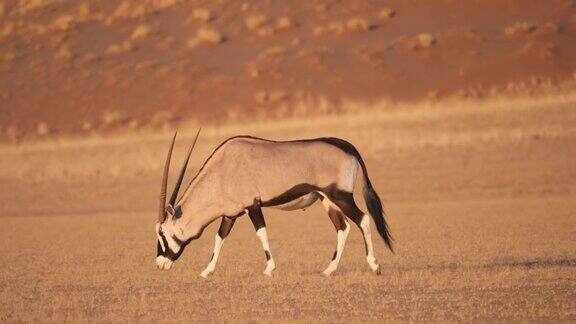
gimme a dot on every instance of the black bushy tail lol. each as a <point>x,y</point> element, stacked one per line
<point>373,202</point>
<point>375,209</point>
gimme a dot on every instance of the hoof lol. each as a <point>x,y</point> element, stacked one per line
<point>327,273</point>
<point>377,271</point>
<point>205,274</point>
<point>268,272</point>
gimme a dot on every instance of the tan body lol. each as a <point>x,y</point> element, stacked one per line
<point>251,169</point>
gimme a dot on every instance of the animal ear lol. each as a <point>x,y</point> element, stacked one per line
<point>170,210</point>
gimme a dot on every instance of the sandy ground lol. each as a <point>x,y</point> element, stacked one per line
<point>480,198</point>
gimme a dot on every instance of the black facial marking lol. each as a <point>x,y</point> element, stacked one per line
<point>169,253</point>
<point>177,212</point>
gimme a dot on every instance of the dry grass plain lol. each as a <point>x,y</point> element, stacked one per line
<point>480,198</point>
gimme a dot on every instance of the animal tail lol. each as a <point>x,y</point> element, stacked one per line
<point>375,208</point>
<point>372,199</point>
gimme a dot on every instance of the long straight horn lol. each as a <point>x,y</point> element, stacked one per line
<point>161,210</point>
<point>183,171</point>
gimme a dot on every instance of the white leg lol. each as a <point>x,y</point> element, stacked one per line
<point>341,235</point>
<point>212,265</point>
<point>270,265</point>
<point>365,226</point>
<point>339,220</point>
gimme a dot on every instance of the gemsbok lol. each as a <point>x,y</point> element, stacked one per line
<point>247,173</point>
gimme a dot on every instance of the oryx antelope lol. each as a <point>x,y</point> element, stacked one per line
<point>247,173</point>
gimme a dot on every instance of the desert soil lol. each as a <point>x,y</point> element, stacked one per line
<point>479,197</point>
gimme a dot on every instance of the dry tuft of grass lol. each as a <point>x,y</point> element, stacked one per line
<point>386,14</point>
<point>273,52</point>
<point>62,23</point>
<point>7,29</point>
<point>110,118</point>
<point>358,25</point>
<point>270,97</point>
<point>284,23</point>
<point>519,29</point>
<point>42,129</point>
<point>125,47</point>
<point>203,15</point>
<point>141,31</point>
<point>352,25</point>
<point>425,41</point>
<point>254,22</point>
<point>64,53</point>
<point>89,58</point>
<point>206,36</point>
<point>84,10</point>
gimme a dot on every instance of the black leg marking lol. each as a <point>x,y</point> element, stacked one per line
<point>226,226</point>
<point>267,255</point>
<point>334,255</point>
<point>256,216</point>
<point>337,219</point>
<point>212,257</point>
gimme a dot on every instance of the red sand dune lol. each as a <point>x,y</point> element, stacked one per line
<point>83,66</point>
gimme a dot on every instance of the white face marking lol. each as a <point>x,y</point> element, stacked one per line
<point>168,232</point>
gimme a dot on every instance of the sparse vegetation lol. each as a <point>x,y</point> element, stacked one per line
<point>64,53</point>
<point>256,21</point>
<point>84,10</point>
<point>141,31</point>
<point>110,118</point>
<point>203,15</point>
<point>386,14</point>
<point>206,36</point>
<point>42,128</point>
<point>270,97</point>
<point>424,41</point>
<point>125,47</point>
<point>519,29</point>
<point>352,25</point>
<point>358,24</point>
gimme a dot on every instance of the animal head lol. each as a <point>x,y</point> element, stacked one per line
<point>169,245</point>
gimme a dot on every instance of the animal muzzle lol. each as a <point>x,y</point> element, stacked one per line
<point>163,263</point>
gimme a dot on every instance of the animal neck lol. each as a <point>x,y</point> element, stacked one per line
<point>198,209</point>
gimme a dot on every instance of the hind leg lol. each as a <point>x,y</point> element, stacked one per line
<point>255,214</point>
<point>342,230</point>
<point>347,204</point>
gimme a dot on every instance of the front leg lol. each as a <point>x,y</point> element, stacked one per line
<point>255,213</point>
<point>225,228</point>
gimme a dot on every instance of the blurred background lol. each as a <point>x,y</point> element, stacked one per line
<point>82,67</point>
